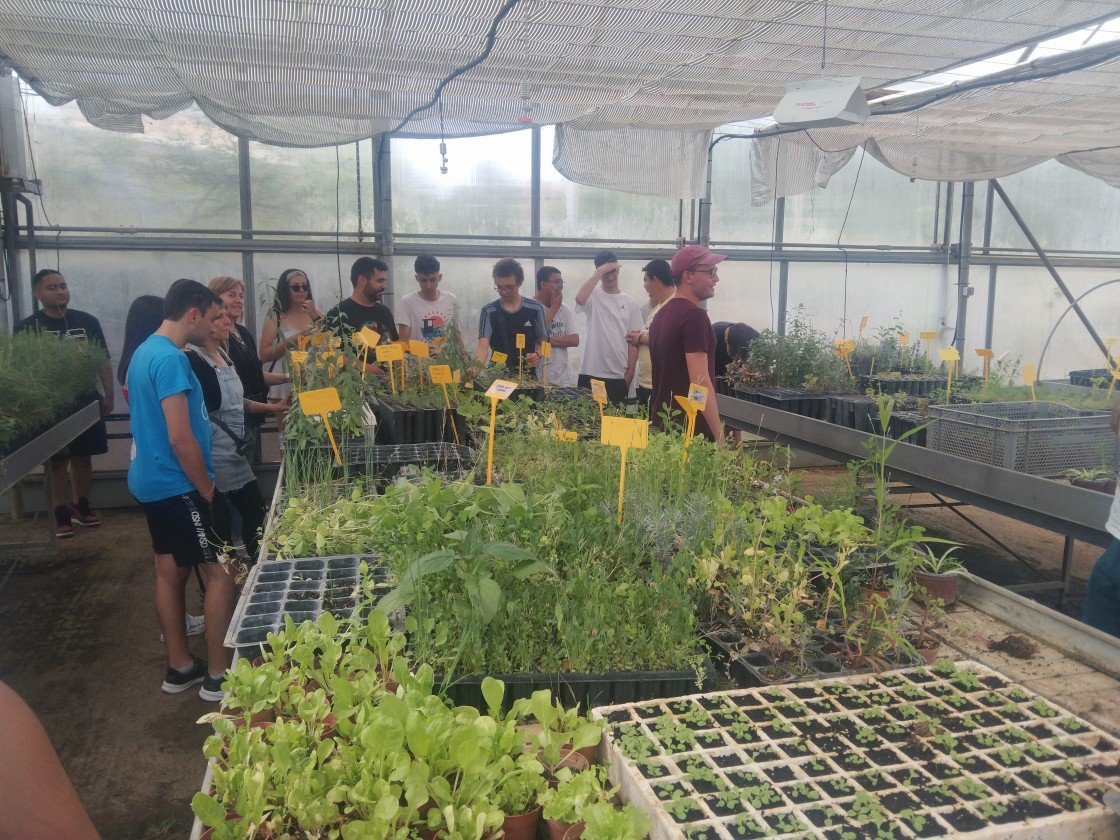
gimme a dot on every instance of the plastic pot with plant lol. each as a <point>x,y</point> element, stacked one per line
<point>937,574</point>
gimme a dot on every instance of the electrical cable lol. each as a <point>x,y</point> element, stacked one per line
<point>773,235</point>
<point>843,250</point>
<point>491,39</point>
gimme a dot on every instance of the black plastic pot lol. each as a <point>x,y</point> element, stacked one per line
<point>407,424</point>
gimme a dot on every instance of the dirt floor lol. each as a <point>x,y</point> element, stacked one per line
<point>79,641</point>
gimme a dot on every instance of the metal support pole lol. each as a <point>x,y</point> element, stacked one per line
<point>10,232</point>
<point>383,195</point>
<point>783,264</point>
<point>989,322</point>
<point>946,231</point>
<point>964,263</point>
<point>248,271</point>
<point>704,225</point>
<point>1049,266</point>
<point>535,196</point>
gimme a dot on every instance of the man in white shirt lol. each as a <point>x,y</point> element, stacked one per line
<point>426,314</point>
<point>611,314</point>
<point>561,325</point>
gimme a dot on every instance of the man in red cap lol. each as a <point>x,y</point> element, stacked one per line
<point>682,344</point>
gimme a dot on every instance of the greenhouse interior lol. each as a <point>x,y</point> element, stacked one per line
<point>533,419</point>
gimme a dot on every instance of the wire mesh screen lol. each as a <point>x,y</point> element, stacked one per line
<point>1040,438</point>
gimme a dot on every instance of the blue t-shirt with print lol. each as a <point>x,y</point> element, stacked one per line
<point>159,370</point>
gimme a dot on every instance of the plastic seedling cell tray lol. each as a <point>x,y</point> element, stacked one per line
<point>301,588</point>
<point>796,761</point>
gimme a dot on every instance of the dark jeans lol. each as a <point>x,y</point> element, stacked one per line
<point>1102,595</point>
<point>644,396</point>
<point>248,502</point>
<point>617,389</point>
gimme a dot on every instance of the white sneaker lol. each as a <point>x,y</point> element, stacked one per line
<point>196,625</point>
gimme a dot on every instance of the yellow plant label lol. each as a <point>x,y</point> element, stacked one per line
<point>625,432</point>
<point>440,374</point>
<point>1030,374</point>
<point>320,401</point>
<point>501,389</point>
<point>498,358</point>
<point>599,390</point>
<point>298,357</point>
<point>843,346</point>
<point>390,352</point>
<point>949,354</point>
<point>904,339</point>
<point>546,349</point>
<point>698,396</point>
<point>984,352</point>
<point>863,323</point>
<point>365,337</point>
<point>519,341</point>
<point>925,335</point>
<point>419,349</point>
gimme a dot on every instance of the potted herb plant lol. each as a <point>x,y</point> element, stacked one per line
<point>1101,478</point>
<point>937,574</point>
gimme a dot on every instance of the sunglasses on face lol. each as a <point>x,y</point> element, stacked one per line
<point>299,287</point>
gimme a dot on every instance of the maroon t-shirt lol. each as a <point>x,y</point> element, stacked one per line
<point>680,327</point>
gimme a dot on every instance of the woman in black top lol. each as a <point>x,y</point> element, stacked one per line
<point>242,347</point>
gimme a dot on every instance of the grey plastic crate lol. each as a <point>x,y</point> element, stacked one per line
<point>303,588</point>
<point>1039,438</point>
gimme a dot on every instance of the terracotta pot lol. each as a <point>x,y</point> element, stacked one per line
<point>929,654</point>
<point>564,831</point>
<point>574,761</point>
<point>590,753</point>
<point>257,719</point>
<point>522,826</point>
<point>938,586</point>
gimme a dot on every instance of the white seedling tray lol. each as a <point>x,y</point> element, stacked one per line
<point>913,753</point>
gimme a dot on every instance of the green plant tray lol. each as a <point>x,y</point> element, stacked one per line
<point>954,749</point>
<point>584,690</point>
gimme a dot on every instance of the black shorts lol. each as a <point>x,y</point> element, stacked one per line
<point>183,527</point>
<point>93,441</point>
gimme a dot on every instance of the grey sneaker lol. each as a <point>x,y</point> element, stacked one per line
<point>212,687</point>
<point>175,682</point>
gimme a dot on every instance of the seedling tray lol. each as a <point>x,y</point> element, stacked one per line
<point>955,749</point>
<point>1039,438</point>
<point>793,400</point>
<point>303,589</point>
<point>585,689</point>
<point>400,423</point>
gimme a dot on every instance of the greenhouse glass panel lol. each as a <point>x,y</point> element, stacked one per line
<point>1064,209</point>
<point>486,191</point>
<point>574,211</point>
<point>180,173</point>
<point>311,189</point>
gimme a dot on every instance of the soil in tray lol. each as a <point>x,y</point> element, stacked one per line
<point>826,817</point>
<point>1072,750</point>
<point>1002,783</point>
<point>1020,810</point>
<point>618,716</point>
<point>942,771</point>
<point>761,756</point>
<point>911,777</point>
<point>1070,772</point>
<point>801,793</point>
<point>898,801</point>
<point>817,767</point>
<point>852,761</point>
<point>807,692</point>
<point>745,734</point>
<point>702,832</point>
<point>652,769</point>
<point>648,712</point>
<point>1068,800</point>
<point>884,757</point>
<point>786,823</point>
<point>935,796</point>
<point>726,806</point>
<point>838,788</point>
<point>873,780</point>
<point>962,820</point>
<point>666,791</point>
<point>760,715</point>
<point>779,773</point>
<point>1037,778</point>
<point>1109,771</point>
<point>745,828</point>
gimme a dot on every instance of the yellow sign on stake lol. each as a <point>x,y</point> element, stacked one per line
<point>498,358</point>
<point>297,358</point>
<point>499,389</point>
<point>1030,376</point>
<point>390,353</point>
<point>862,327</point>
<point>624,432</point>
<point>695,401</point>
<point>950,355</point>
<point>986,354</point>
<point>599,394</point>
<point>365,339</point>
<point>843,347</point>
<point>322,401</point>
<point>441,375</point>
<point>420,349</point>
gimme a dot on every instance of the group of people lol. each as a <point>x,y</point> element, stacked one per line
<point>666,344</point>
<point>198,384</point>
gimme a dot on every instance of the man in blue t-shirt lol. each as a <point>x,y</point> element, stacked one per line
<point>173,479</point>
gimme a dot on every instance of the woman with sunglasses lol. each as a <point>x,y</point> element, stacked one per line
<point>293,315</point>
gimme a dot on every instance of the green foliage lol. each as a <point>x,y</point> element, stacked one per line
<point>41,381</point>
<point>802,358</point>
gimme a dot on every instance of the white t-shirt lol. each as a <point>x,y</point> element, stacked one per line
<point>1113,526</point>
<point>645,365</point>
<point>609,318</point>
<point>563,323</point>
<point>426,320</point>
